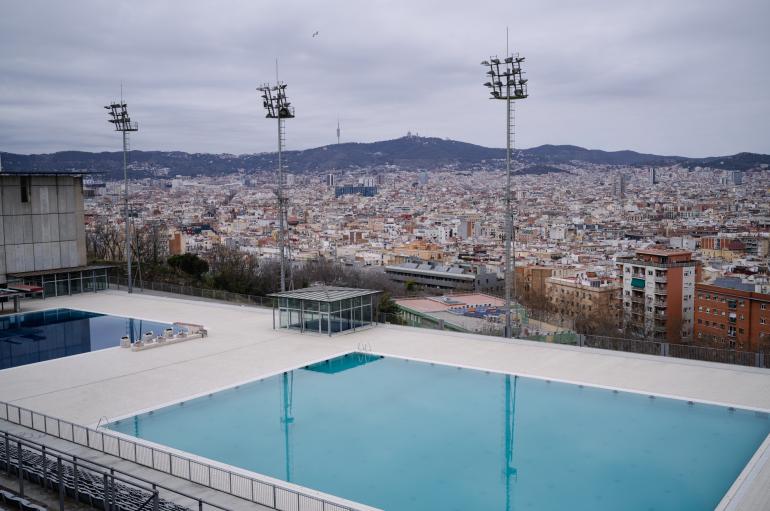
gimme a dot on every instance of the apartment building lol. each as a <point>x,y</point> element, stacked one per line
<point>731,314</point>
<point>658,293</point>
<point>728,249</point>
<point>584,295</point>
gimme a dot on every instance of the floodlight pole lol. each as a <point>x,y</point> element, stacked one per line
<point>512,75</point>
<point>278,107</point>
<point>281,206</point>
<point>119,117</point>
<point>130,282</point>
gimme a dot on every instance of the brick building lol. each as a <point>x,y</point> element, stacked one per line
<point>730,314</point>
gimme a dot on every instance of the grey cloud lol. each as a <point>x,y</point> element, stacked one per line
<point>683,77</point>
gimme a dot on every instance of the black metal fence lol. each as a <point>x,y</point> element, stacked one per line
<point>629,345</point>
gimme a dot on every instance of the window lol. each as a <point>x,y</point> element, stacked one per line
<point>700,321</point>
<point>762,321</point>
<point>25,188</point>
<point>700,308</point>
<point>763,306</point>
<point>740,330</point>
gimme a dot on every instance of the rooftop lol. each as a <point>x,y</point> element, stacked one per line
<point>242,346</point>
<point>325,293</point>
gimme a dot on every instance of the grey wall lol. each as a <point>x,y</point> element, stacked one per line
<point>45,233</point>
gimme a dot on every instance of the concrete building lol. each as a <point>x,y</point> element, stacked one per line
<point>364,191</point>
<point>42,233</point>
<point>449,278</point>
<point>583,296</point>
<point>719,247</point>
<point>730,314</point>
<point>658,290</point>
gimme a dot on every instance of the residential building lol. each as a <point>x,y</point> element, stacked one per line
<point>583,296</point>
<point>730,314</point>
<point>658,289</point>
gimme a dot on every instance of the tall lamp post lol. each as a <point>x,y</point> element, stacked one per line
<point>118,117</point>
<point>506,83</point>
<point>278,107</point>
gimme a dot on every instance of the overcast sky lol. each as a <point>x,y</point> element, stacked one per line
<point>687,77</point>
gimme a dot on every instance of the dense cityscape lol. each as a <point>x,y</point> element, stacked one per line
<point>573,226</point>
<point>385,256</point>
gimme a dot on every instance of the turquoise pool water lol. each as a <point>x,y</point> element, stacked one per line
<point>408,436</point>
<point>44,335</point>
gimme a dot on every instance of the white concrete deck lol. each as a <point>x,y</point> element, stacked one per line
<point>242,346</point>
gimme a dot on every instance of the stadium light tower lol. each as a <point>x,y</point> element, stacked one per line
<point>277,105</point>
<point>118,117</point>
<point>506,83</point>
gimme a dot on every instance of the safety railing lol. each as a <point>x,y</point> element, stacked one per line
<point>196,292</point>
<point>631,345</point>
<point>263,492</point>
<point>76,479</point>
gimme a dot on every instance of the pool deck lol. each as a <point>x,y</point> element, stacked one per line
<point>242,346</point>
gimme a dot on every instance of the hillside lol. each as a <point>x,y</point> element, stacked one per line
<point>408,153</point>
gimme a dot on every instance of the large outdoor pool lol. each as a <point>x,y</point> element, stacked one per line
<point>44,335</point>
<point>407,436</point>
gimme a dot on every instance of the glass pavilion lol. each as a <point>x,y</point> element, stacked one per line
<point>324,309</point>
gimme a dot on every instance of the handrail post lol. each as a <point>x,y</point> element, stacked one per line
<point>106,496</point>
<point>155,501</point>
<point>21,468</point>
<point>77,485</point>
<point>45,469</point>
<point>61,482</point>
<point>7,454</point>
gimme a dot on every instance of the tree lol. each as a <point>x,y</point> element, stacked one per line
<point>388,310</point>
<point>191,264</point>
<point>234,271</point>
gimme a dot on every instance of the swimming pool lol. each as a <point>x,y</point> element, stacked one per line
<point>44,335</point>
<point>405,435</point>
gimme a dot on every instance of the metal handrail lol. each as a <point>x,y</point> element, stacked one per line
<point>249,488</point>
<point>108,475</point>
<point>102,469</point>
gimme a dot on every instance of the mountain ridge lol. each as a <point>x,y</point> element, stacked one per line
<point>407,153</point>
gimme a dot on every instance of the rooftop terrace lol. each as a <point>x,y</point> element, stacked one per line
<point>243,346</point>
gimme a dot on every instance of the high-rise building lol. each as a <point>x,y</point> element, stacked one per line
<point>658,290</point>
<point>653,176</point>
<point>365,191</point>
<point>423,179</point>
<point>367,181</point>
<point>736,177</point>
<point>330,181</point>
<point>619,186</point>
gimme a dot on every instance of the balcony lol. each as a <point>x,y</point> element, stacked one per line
<point>661,290</point>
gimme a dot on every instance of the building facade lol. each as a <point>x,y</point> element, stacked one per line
<point>658,293</point>
<point>729,314</point>
<point>446,278</point>
<point>42,227</point>
<point>583,296</point>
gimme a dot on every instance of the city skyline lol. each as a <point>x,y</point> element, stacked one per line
<point>608,76</point>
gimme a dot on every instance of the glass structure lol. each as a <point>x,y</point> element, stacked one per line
<point>66,281</point>
<point>324,309</point>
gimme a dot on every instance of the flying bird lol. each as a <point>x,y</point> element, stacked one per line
<point>315,33</point>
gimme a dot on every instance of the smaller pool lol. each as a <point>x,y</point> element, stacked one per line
<point>45,335</point>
